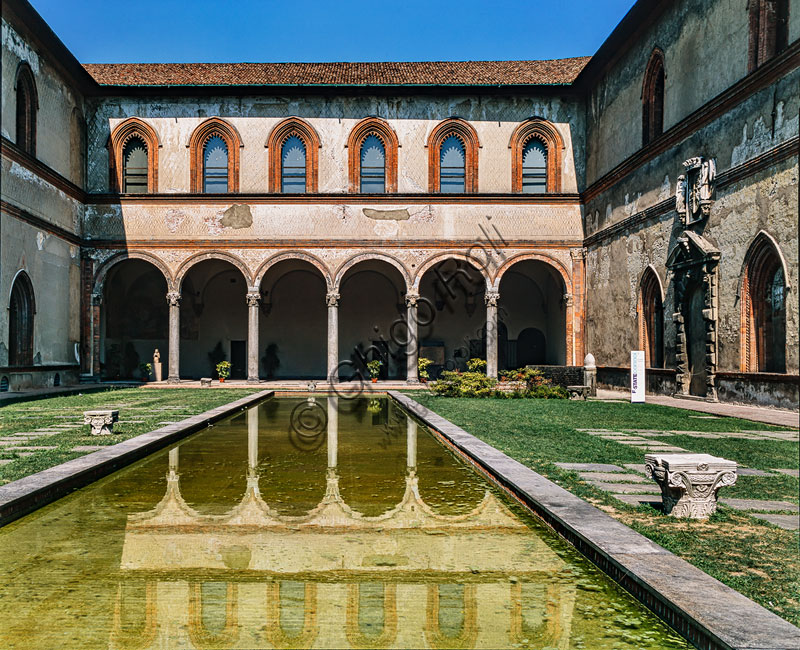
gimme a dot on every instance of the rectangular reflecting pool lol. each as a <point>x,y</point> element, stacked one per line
<point>305,523</point>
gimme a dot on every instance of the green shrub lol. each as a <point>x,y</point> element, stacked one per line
<point>422,367</point>
<point>464,384</point>
<point>476,365</point>
<point>528,383</point>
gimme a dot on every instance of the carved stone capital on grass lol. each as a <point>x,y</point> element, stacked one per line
<point>101,422</point>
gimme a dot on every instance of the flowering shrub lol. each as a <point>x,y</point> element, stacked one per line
<point>514,384</point>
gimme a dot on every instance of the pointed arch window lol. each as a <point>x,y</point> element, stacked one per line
<point>27,105</point>
<point>293,157</point>
<point>373,166</point>
<point>763,299</point>
<point>215,166</point>
<point>372,157</point>
<point>769,30</point>
<point>214,157</point>
<point>21,310</point>
<point>536,151</point>
<point>453,158</point>
<point>134,157</point>
<point>293,166</point>
<point>653,98</point>
<point>651,320</point>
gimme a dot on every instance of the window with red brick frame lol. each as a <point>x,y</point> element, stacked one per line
<point>123,133</point>
<point>214,126</point>
<point>385,133</point>
<point>768,22</point>
<point>293,126</point>
<point>464,131</point>
<point>548,135</point>
<point>27,106</point>
<point>653,98</point>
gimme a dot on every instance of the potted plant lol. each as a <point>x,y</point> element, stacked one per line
<point>374,368</point>
<point>223,370</point>
<point>144,370</point>
<point>422,369</point>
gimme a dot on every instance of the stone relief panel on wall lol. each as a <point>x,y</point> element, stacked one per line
<point>695,189</point>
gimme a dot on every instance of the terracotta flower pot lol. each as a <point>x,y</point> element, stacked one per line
<point>374,380</point>
<point>222,380</point>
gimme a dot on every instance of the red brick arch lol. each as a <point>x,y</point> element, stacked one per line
<point>548,135</point>
<point>385,133</point>
<point>133,127</point>
<point>282,131</point>
<point>207,130</point>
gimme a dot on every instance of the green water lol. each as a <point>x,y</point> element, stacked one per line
<point>332,524</point>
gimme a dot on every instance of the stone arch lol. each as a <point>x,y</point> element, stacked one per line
<point>292,255</point>
<point>429,263</point>
<point>187,264</point>
<point>363,257</point>
<point>102,271</point>
<point>763,258</point>
<point>540,257</point>
<point>21,311</point>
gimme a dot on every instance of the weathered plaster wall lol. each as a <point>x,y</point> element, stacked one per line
<point>413,118</point>
<point>59,125</point>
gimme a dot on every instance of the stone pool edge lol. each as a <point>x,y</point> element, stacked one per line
<point>704,611</point>
<point>30,493</point>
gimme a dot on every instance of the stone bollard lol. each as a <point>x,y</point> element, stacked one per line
<point>689,482</point>
<point>102,422</point>
<point>205,382</point>
<point>590,374</point>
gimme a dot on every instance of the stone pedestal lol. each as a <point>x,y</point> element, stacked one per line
<point>102,422</point>
<point>689,482</point>
<point>590,374</point>
<point>157,371</point>
<point>205,382</point>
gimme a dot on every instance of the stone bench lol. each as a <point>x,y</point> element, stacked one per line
<point>205,382</point>
<point>689,482</point>
<point>579,392</point>
<point>101,421</point>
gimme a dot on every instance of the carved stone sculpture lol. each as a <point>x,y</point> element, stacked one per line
<point>101,422</point>
<point>695,189</point>
<point>690,482</point>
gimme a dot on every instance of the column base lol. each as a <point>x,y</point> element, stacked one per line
<point>253,380</point>
<point>173,380</point>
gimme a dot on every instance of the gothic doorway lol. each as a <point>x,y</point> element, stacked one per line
<point>20,322</point>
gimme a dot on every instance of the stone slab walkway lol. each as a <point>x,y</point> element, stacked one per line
<point>778,417</point>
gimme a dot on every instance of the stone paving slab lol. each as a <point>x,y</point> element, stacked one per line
<point>626,488</point>
<point>591,467</point>
<point>698,606</point>
<point>758,504</point>
<point>33,448</point>
<point>6,461</point>
<point>31,492</point>
<point>789,472</point>
<point>749,471</point>
<point>635,467</point>
<point>609,476</point>
<point>788,522</point>
<point>640,499</point>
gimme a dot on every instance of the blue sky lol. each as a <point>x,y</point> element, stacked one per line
<point>110,31</point>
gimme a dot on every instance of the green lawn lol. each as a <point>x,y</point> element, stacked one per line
<point>752,556</point>
<point>140,410</point>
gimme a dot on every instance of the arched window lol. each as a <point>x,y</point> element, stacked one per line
<point>653,98</point>
<point>21,309</point>
<point>293,166</point>
<point>769,30</point>
<point>763,298</point>
<point>215,166</point>
<point>214,157</point>
<point>453,158</point>
<point>372,157</point>
<point>27,105</point>
<point>134,161</point>
<point>133,147</point>
<point>651,319</point>
<point>536,150</point>
<point>452,166</point>
<point>373,166</point>
<point>534,167</point>
<point>293,148</point>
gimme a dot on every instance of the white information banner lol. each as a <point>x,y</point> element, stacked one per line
<point>637,376</point>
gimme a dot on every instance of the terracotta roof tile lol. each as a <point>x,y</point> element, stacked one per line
<point>447,73</point>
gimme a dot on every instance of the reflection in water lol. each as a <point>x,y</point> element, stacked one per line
<point>238,538</point>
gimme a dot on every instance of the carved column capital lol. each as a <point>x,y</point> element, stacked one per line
<point>97,298</point>
<point>568,299</point>
<point>492,297</point>
<point>332,298</point>
<point>412,297</point>
<point>174,298</point>
<point>253,298</point>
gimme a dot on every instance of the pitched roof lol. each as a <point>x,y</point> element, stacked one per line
<point>438,73</point>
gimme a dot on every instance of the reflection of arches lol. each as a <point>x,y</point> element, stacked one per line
<point>222,256</point>
<point>762,292</point>
<point>542,618</point>
<point>125,636</point>
<point>204,602</point>
<point>274,630</point>
<point>650,315</point>
<point>355,636</point>
<point>468,634</point>
<point>531,346</point>
<point>21,310</point>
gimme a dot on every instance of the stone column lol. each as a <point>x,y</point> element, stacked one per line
<point>97,301</point>
<point>253,300</point>
<point>411,443</point>
<point>252,438</point>
<point>332,299</point>
<point>492,296</point>
<point>174,300</point>
<point>412,343</point>
<point>173,461</point>
<point>333,431</point>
